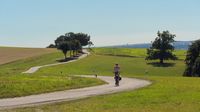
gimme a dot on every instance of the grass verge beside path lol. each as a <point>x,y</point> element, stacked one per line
<point>13,83</point>
<point>170,92</point>
<point>167,94</point>
<point>24,85</point>
<point>163,96</point>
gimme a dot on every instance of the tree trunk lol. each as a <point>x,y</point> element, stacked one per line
<point>73,53</point>
<point>70,53</point>
<point>65,56</point>
<point>161,56</point>
<point>161,61</point>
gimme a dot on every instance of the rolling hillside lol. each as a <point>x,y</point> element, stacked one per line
<point>9,54</point>
<point>170,92</point>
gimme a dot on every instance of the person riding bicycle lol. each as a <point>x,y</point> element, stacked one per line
<point>117,74</point>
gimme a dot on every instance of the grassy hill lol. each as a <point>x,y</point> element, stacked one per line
<point>132,52</point>
<point>169,91</point>
<point>13,83</point>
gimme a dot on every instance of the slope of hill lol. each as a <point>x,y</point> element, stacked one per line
<point>169,91</point>
<point>9,54</point>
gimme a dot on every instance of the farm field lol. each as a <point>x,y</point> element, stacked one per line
<point>169,91</point>
<point>9,54</point>
<point>13,83</point>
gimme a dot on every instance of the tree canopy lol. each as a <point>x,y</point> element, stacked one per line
<point>83,38</point>
<point>73,41</point>
<point>162,47</point>
<point>193,60</point>
<point>65,47</point>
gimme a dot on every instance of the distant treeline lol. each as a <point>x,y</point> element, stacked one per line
<point>177,45</point>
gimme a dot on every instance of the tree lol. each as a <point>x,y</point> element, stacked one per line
<point>75,41</point>
<point>162,47</point>
<point>193,60</point>
<point>83,38</point>
<point>60,40</point>
<point>63,38</point>
<point>65,47</point>
<point>75,46</point>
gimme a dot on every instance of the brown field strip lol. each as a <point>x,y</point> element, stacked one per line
<point>9,54</point>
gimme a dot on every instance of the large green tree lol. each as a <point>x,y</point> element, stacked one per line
<point>162,47</point>
<point>60,40</point>
<point>193,60</point>
<point>75,41</point>
<point>64,47</point>
<point>75,46</point>
<point>83,38</point>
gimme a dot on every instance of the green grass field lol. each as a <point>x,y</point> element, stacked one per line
<point>169,91</point>
<point>167,94</point>
<point>103,65</point>
<point>13,83</point>
<point>130,52</point>
<point>22,85</point>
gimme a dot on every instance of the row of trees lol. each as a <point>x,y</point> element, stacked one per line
<point>162,48</point>
<point>72,42</point>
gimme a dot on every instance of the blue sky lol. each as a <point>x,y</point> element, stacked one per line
<point>37,23</point>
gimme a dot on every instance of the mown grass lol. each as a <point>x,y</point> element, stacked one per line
<point>13,83</point>
<point>103,65</point>
<point>132,52</point>
<point>169,91</point>
<point>167,94</point>
<point>23,85</point>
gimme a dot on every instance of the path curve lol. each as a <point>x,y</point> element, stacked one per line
<point>68,95</point>
<point>74,94</point>
<point>36,68</point>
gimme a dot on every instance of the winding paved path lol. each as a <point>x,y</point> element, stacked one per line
<point>68,95</point>
<point>35,69</point>
<point>33,100</point>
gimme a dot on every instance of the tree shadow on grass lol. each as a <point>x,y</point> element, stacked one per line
<point>157,64</point>
<point>69,58</point>
<point>66,60</point>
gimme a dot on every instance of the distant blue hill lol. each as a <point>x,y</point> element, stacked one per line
<point>177,45</point>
